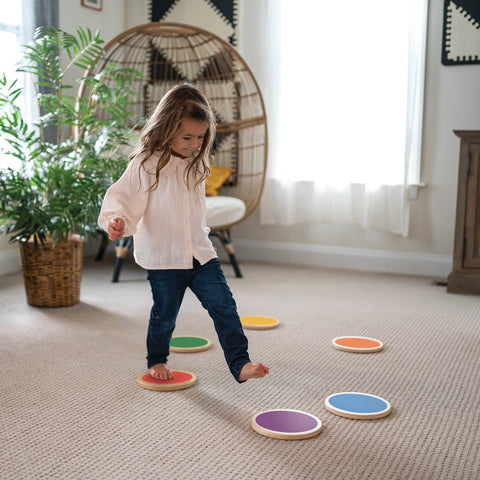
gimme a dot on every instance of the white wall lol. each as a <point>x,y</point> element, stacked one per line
<point>109,21</point>
<point>9,256</point>
<point>452,102</point>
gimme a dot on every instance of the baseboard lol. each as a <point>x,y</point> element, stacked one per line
<point>384,261</point>
<point>9,262</point>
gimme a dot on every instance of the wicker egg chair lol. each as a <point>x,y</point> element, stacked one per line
<point>171,53</point>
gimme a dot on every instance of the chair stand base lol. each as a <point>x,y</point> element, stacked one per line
<point>102,247</point>
<point>225,238</point>
<point>117,269</point>
<point>123,247</point>
<point>121,251</point>
<point>235,266</point>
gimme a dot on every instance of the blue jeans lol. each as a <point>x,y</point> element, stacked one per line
<point>208,283</point>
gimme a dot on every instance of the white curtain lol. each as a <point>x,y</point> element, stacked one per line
<point>343,85</point>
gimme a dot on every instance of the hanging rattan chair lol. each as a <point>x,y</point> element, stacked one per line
<point>170,53</point>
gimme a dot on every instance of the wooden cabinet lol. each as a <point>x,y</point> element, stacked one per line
<point>465,276</point>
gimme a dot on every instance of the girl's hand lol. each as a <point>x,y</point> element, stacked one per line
<point>116,229</point>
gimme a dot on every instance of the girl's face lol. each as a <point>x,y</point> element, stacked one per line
<point>189,137</point>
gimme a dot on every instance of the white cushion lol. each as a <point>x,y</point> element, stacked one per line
<point>224,210</point>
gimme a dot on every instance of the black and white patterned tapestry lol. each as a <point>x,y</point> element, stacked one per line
<point>217,16</point>
<point>461,32</point>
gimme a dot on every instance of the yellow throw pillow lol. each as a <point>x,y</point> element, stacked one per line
<point>218,176</point>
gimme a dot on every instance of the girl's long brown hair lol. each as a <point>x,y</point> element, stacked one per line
<point>182,101</point>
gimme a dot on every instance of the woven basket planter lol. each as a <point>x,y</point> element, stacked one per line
<point>52,274</point>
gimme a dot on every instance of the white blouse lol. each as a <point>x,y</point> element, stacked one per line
<point>168,224</point>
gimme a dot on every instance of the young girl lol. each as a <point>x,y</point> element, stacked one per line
<point>160,199</point>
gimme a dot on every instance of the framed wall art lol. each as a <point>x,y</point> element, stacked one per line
<point>94,4</point>
<point>217,16</point>
<point>461,32</point>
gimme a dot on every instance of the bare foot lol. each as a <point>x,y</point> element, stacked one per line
<point>161,372</point>
<point>250,370</point>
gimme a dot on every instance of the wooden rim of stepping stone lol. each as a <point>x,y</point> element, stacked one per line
<point>361,406</point>
<point>189,344</point>
<point>286,424</point>
<point>357,344</point>
<point>258,322</point>
<point>182,380</point>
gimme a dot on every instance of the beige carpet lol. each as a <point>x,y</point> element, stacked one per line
<point>71,409</point>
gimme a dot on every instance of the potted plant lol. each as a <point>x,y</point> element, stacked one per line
<point>51,193</point>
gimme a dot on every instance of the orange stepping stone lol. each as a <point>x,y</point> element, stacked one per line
<point>357,344</point>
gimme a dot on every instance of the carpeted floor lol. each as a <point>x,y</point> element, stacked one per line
<point>70,407</point>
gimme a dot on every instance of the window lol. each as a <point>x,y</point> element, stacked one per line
<point>10,35</point>
<point>345,84</point>
<point>10,29</point>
